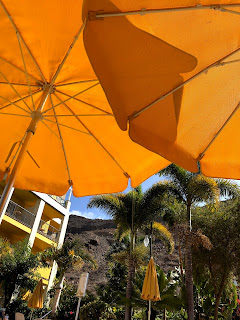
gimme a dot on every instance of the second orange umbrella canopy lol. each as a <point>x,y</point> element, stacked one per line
<point>175,84</point>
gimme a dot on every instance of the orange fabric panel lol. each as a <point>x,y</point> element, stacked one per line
<point>222,159</point>
<point>159,52</point>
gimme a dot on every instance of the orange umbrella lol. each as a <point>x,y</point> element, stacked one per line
<point>57,127</point>
<point>175,85</point>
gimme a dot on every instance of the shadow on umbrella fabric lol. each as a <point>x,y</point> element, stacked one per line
<point>135,68</point>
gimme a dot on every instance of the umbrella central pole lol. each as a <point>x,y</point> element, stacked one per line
<point>36,117</point>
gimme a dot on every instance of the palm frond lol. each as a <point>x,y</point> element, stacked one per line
<point>228,188</point>
<point>179,177</point>
<point>138,255</point>
<point>205,189</point>
<point>109,203</point>
<point>162,233</point>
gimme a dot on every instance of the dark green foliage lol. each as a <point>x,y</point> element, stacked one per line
<point>19,305</point>
<point>71,254</point>
<point>18,269</point>
<point>68,302</point>
<point>219,264</point>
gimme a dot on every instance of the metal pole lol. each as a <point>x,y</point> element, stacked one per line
<point>95,15</point>
<point>151,231</point>
<point>78,308</point>
<point>149,310</point>
<point>36,117</point>
<point>149,302</point>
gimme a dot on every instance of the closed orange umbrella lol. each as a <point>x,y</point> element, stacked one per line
<point>57,127</point>
<point>175,86</point>
<point>150,290</point>
<point>36,299</point>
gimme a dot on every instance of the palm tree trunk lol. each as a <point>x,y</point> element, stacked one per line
<point>131,272</point>
<point>217,302</point>
<point>57,295</point>
<point>180,258</point>
<point>188,266</point>
<point>130,277</point>
<point>218,296</point>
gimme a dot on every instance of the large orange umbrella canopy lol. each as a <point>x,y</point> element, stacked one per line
<point>150,289</point>
<point>175,84</point>
<point>77,140</point>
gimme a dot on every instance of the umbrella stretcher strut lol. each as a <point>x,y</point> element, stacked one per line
<point>36,117</point>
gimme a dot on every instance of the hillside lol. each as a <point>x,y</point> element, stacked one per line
<point>97,236</point>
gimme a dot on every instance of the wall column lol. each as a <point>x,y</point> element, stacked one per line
<point>38,210</point>
<point>61,237</point>
<point>62,233</point>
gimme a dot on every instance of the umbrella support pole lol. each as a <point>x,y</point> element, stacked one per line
<point>36,117</point>
<point>149,309</point>
<point>78,307</point>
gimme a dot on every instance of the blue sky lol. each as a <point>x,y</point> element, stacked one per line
<point>79,205</point>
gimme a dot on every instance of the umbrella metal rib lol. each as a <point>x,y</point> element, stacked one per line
<point>68,52</point>
<point>75,82</point>
<point>9,155</point>
<point>62,142</point>
<point>95,138</point>
<point>217,63</point>
<point>14,102</point>
<point>50,129</point>
<point>14,114</point>
<point>19,69</point>
<point>25,68</point>
<point>79,115</point>
<point>88,104</point>
<point>229,11</point>
<point>143,11</point>
<point>219,131</point>
<point>16,91</point>
<point>20,84</point>
<point>64,125</point>
<point>18,32</point>
<point>71,97</point>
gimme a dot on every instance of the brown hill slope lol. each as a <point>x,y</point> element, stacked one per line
<point>97,236</point>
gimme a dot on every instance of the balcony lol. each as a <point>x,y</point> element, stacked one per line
<point>20,214</point>
<point>47,230</point>
<point>27,218</point>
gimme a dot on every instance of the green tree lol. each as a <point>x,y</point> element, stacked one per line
<point>190,189</point>
<point>223,260</point>
<point>133,212</point>
<point>70,255</point>
<point>17,268</point>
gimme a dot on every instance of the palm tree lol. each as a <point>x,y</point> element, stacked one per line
<point>192,188</point>
<point>133,212</point>
<point>69,255</point>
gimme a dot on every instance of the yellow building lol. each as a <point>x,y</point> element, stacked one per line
<point>41,218</point>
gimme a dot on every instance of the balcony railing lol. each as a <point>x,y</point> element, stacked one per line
<point>27,218</point>
<point>48,230</point>
<point>20,214</point>
<point>59,200</point>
